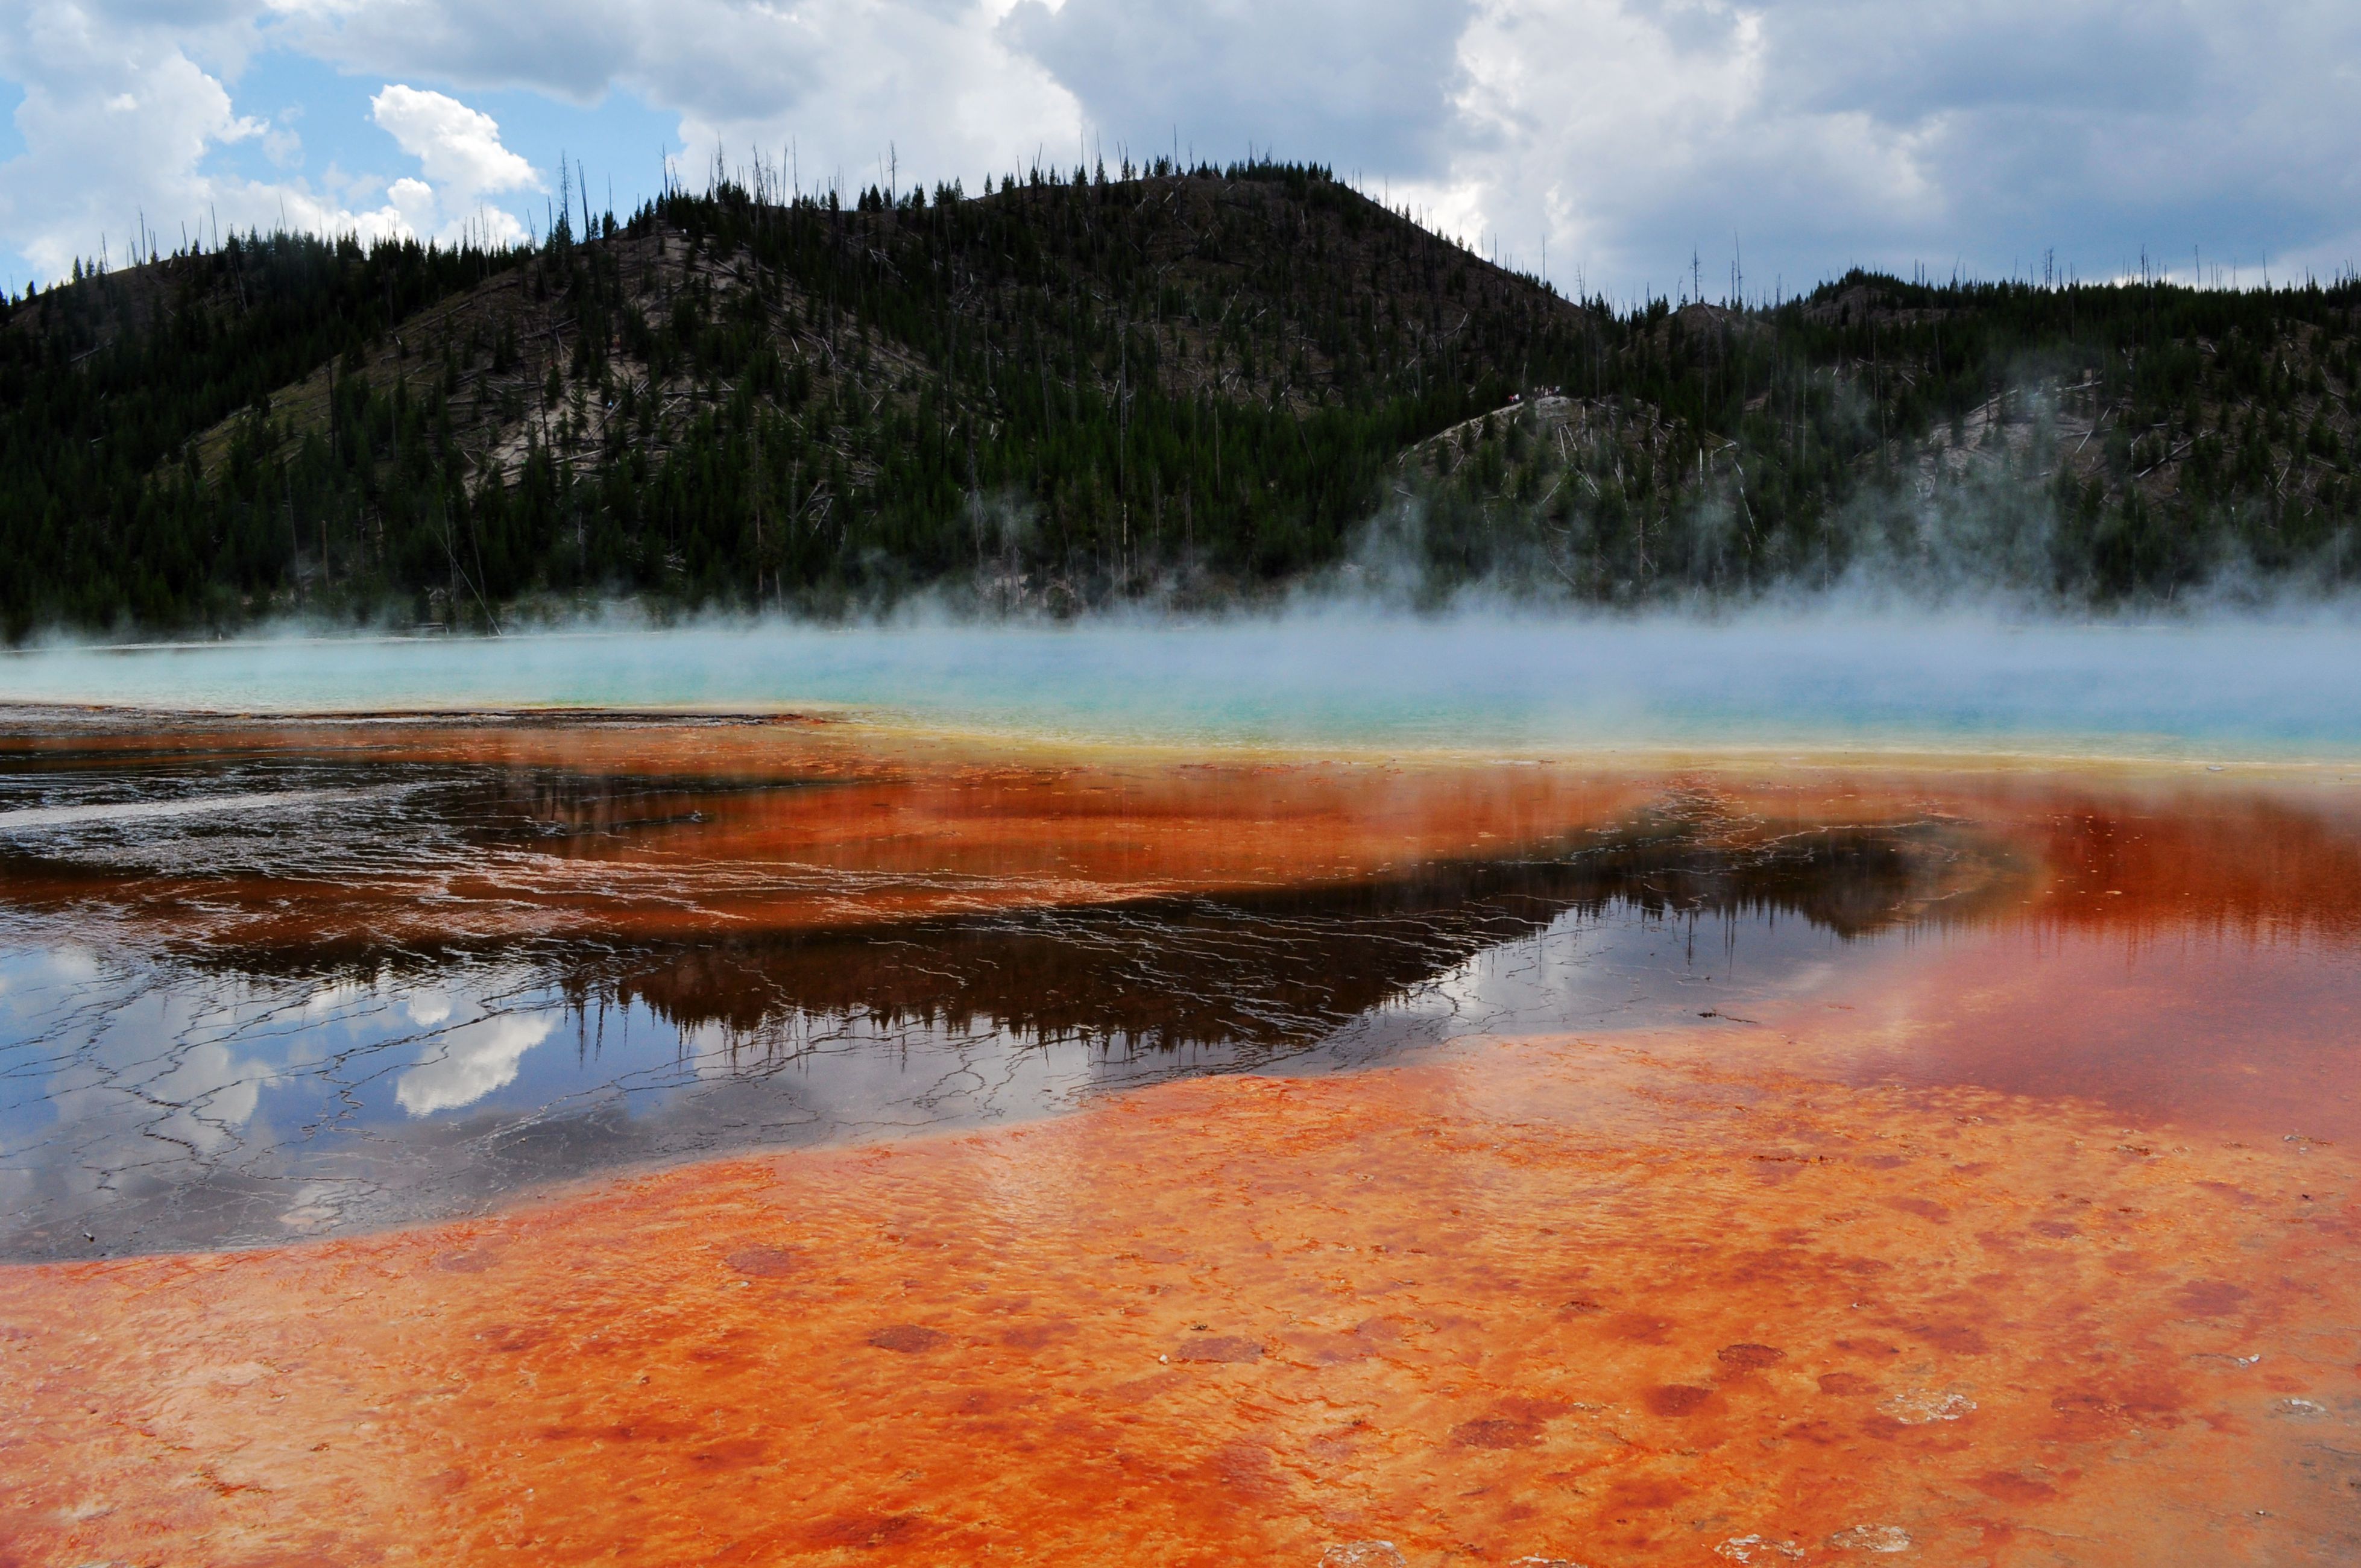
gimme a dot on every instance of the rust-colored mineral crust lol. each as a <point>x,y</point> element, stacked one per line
<point>1605,1302</point>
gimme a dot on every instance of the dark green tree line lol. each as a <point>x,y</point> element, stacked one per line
<point>1080,387</point>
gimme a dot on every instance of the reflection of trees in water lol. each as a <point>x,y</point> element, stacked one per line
<point>1285,965</point>
<point>169,1045</point>
<point>1277,966</point>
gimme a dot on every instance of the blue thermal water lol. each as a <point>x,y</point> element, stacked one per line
<point>2197,689</point>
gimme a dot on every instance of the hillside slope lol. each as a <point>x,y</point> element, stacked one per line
<point>1073,391</point>
<point>2079,446</point>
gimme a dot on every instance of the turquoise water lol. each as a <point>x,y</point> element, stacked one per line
<point>2203,690</point>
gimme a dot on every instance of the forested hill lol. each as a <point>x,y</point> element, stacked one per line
<point>1068,390</point>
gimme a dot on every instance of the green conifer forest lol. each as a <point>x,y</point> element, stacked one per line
<point>1074,388</point>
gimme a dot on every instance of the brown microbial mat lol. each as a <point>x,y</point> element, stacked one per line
<point>671,1141</point>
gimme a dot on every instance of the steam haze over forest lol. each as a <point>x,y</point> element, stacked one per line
<point>408,311</point>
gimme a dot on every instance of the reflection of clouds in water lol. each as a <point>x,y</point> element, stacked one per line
<point>154,1072</point>
<point>471,1062</point>
<point>148,1080</point>
<point>852,1072</point>
<point>316,1205</point>
<point>1544,972</point>
<point>893,1069</point>
<point>35,980</point>
<point>1585,972</point>
<point>123,1078</point>
<point>336,998</point>
<point>71,962</point>
<point>213,1093</point>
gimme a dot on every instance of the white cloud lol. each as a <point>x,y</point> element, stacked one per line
<point>116,122</point>
<point>1815,133</point>
<point>283,147</point>
<point>459,150</point>
<point>457,146</point>
<point>852,84</point>
<point>1629,135</point>
<point>1818,133</point>
<point>1362,83</point>
<point>126,105</point>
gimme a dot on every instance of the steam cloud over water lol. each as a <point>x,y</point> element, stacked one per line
<point>2198,688</point>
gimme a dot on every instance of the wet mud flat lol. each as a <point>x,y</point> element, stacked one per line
<point>785,1141</point>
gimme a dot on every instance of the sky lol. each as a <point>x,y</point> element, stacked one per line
<point>1622,147</point>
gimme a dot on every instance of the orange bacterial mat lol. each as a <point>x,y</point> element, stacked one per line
<point>2008,1218</point>
<point>1533,1299</point>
